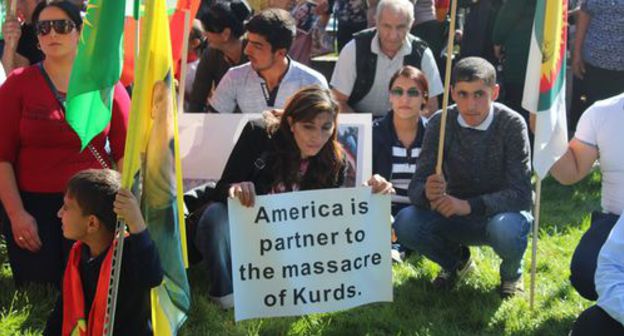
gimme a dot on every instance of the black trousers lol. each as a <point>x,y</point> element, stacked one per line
<point>45,266</point>
<point>595,321</point>
<point>602,83</point>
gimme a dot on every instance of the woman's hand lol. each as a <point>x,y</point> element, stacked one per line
<point>245,192</point>
<point>127,207</point>
<point>25,232</point>
<point>379,185</point>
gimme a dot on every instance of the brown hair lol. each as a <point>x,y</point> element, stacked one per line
<point>326,166</point>
<point>410,72</point>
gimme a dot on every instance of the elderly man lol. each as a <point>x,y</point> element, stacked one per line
<point>483,195</point>
<point>362,73</point>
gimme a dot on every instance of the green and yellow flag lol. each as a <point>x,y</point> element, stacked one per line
<point>96,70</point>
<point>544,89</point>
<point>152,165</point>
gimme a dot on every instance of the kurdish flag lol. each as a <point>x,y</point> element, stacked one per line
<point>96,70</point>
<point>152,156</point>
<point>544,88</point>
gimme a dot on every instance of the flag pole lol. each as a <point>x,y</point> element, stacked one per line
<point>538,192</point>
<point>113,282</point>
<point>447,84</point>
<point>183,60</point>
<point>10,57</point>
<point>182,88</point>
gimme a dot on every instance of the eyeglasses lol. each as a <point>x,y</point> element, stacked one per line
<point>62,27</point>
<point>412,92</point>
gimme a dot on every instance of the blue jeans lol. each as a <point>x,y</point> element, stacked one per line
<point>441,239</point>
<point>212,239</point>
<point>585,257</point>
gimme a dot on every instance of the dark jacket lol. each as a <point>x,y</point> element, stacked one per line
<point>252,160</point>
<point>140,271</point>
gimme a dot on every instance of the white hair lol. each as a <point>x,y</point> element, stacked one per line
<point>405,7</point>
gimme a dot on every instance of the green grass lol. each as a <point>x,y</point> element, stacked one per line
<point>473,308</point>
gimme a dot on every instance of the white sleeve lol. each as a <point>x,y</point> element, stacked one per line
<point>585,129</point>
<point>223,100</point>
<point>344,74</point>
<point>430,68</point>
<point>609,276</point>
<point>2,74</point>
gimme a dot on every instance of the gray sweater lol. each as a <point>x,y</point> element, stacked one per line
<point>490,169</point>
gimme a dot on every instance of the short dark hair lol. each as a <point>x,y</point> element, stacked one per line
<point>471,69</point>
<point>95,190</point>
<point>66,6</point>
<point>276,25</point>
<point>226,15</point>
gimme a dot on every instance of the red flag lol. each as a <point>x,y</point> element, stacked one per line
<point>176,30</point>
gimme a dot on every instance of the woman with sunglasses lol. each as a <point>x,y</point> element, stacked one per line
<point>297,151</point>
<point>398,136</point>
<point>224,26</point>
<point>39,151</point>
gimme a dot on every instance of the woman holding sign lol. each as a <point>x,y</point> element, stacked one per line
<point>297,151</point>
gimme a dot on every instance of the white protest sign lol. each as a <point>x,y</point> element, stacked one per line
<point>310,252</point>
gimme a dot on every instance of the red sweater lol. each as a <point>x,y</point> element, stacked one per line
<point>36,139</point>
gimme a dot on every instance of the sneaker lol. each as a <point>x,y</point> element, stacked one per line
<point>511,288</point>
<point>448,279</point>
<point>397,253</point>
<point>224,302</point>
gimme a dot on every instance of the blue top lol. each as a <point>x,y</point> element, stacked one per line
<point>610,273</point>
<point>604,43</point>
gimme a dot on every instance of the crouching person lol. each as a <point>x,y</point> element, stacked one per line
<point>92,202</point>
<point>484,194</point>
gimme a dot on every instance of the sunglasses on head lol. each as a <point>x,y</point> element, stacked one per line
<point>60,27</point>
<point>412,92</point>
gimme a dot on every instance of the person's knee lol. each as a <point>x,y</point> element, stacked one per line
<point>412,224</point>
<point>213,226</point>
<point>582,271</point>
<point>508,232</point>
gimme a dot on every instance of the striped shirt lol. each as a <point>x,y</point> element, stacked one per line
<point>403,167</point>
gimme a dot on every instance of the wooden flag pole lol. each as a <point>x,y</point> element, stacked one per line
<point>447,85</point>
<point>183,60</point>
<point>538,192</point>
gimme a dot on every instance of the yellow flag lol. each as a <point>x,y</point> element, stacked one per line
<point>152,167</point>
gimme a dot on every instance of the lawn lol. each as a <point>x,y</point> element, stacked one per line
<point>473,308</point>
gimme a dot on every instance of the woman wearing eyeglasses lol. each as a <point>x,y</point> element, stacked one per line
<point>398,136</point>
<point>39,151</point>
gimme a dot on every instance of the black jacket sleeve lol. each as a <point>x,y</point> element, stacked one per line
<point>240,165</point>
